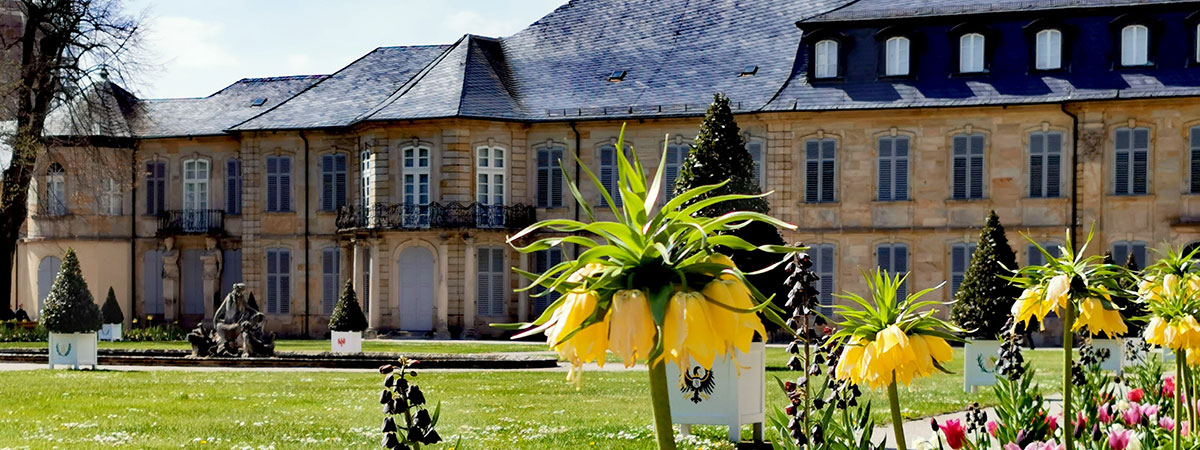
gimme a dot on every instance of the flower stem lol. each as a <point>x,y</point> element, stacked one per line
<point>1068,346</point>
<point>897,421</point>
<point>1178,394</point>
<point>662,406</point>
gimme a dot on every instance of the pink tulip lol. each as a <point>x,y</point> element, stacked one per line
<point>1168,389</point>
<point>1052,421</point>
<point>1150,410</point>
<point>992,427</point>
<point>955,433</point>
<point>1133,415</point>
<point>1167,423</point>
<point>1118,440</point>
<point>1104,416</point>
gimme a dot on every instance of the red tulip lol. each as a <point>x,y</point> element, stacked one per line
<point>955,433</point>
<point>1135,395</point>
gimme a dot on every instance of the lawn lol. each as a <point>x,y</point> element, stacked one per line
<point>290,345</point>
<point>488,410</point>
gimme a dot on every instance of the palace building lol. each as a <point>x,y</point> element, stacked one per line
<point>886,129</point>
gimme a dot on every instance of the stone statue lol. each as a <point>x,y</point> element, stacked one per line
<point>237,330</point>
<point>170,280</point>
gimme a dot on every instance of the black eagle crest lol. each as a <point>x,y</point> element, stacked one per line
<point>697,385</point>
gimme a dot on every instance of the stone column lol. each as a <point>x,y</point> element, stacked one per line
<point>523,296</point>
<point>470,284</point>
<point>441,302</point>
<point>375,317</point>
<point>356,274</point>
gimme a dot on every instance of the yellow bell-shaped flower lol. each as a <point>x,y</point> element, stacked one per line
<point>735,327</point>
<point>631,329</point>
<point>1154,331</point>
<point>1028,305</point>
<point>563,331</point>
<point>688,332</point>
<point>847,366</point>
<point>1099,320</point>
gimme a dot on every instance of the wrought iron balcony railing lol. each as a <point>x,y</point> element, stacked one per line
<point>403,216</point>
<point>191,221</point>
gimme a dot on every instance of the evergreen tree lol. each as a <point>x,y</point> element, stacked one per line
<point>253,304</point>
<point>347,314</point>
<point>70,307</point>
<point>112,310</point>
<point>719,154</point>
<point>984,299</point>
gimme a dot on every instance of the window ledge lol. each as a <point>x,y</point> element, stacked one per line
<point>1059,199</point>
<point>892,202</point>
<point>1129,198</point>
<point>966,201</point>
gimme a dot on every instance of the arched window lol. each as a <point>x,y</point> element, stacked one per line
<point>56,190</point>
<point>970,53</point>
<point>1048,50</point>
<point>897,56</point>
<point>490,185</point>
<point>826,55</point>
<point>1135,45</point>
<point>416,186</point>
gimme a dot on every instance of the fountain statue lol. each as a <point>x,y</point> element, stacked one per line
<point>237,330</point>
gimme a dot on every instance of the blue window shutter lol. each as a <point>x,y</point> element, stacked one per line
<point>1037,168</point>
<point>1054,165</point>
<point>885,169</point>
<point>826,269</point>
<point>285,184</point>
<point>900,168</point>
<point>828,169</point>
<point>1121,174</point>
<point>883,257</point>
<point>977,162</point>
<point>959,188</point>
<point>1195,162</point>
<point>812,182</point>
<point>1141,146</point>
<point>233,186</point>
<point>482,281</point>
<point>543,178</point>
<point>327,190</point>
<point>285,285</point>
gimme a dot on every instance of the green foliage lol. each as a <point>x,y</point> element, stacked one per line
<point>347,314</point>
<point>111,310</point>
<point>985,298</point>
<point>154,333</point>
<point>12,332</point>
<point>70,307</point>
<point>1019,409</point>
<point>718,156</point>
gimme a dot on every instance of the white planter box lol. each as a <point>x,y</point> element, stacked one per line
<point>979,364</point>
<point>346,341</point>
<point>1115,350</point>
<point>735,399</point>
<point>1134,352</point>
<point>73,349</point>
<point>110,332</point>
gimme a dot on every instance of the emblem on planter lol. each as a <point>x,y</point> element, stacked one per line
<point>697,385</point>
<point>341,342</point>
<point>58,349</point>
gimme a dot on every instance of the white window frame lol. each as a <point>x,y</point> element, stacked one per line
<point>491,184</point>
<point>1135,45</point>
<point>1046,181</point>
<point>110,197</point>
<point>825,56</point>
<point>333,181</point>
<point>972,53</point>
<point>896,56</point>
<point>416,184</point>
<point>549,175</point>
<point>56,190</point>
<point>1048,49</point>
<point>820,162</point>
<point>279,279</point>
<point>366,175</point>
<point>331,261</point>
<point>896,166</point>
<point>197,175</point>
<point>960,252</point>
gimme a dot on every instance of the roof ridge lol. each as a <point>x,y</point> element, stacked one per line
<point>412,82</point>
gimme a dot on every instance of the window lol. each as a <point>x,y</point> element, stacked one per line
<point>156,187</point>
<point>960,260</point>
<point>676,153</point>
<point>1123,249</point>
<point>56,190</point>
<point>1045,164</point>
<point>968,166</point>
<point>279,183</point>
<point>896,56</point>
<point>1135,45</point>
<point>549,177</point>
<point>825,266</point>
<point>416,186</point>
<point>893,258</point>
<point>826,55</point>
<point>279,281</point>
<point>893,169</point>
<point>490,289</point>
<point>608,174</point>
<point>489,186</point>
<point>110,197</point>
<point>233,186</point>
<point>1132,159</point>
<point>1197,43</point>
<point>195,184</point>
<point>1035,257</point>
<point>1194,140</point>
<point>820,170</point>
<point>757,154</point>
<point>331,260</point>
<point>333,181</point>
<point>970,53</point>
<point>365,172</point>
<point>1048,50</point>
<point>543,260</point>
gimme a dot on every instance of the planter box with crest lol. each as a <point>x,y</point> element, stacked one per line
<point>346,341</point>
<point>722,396</point>
<point>73,349</point>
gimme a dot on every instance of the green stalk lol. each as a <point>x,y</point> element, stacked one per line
<point>662,406</point>
<point>897,421</point>
<point>1178,403</point>
<point>1068,345</point>
<point>1190,387</point>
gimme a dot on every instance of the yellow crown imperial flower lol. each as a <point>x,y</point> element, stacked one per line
<point>564,333</point>
<point>1154,331</point>
<point>688,332</point>
<point>632,332</point>
<point>738,328</point>
<point>1099,320</point>
<point>892,357</point>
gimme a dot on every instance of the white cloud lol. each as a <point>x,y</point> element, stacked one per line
<point>188,43</point>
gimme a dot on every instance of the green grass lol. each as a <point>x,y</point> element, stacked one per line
<point>323,346</point>
<point>489,410</point>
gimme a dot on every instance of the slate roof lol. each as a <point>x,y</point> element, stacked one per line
<point>218,112</point>
<point>897,9</point>
<point>102,110</point>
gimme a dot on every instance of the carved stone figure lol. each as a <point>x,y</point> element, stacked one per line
<point>238,328</point>
<point>170,280</point>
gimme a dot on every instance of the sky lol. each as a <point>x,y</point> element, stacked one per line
<point>193,48</point>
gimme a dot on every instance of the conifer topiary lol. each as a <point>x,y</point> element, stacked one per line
<point>719,154</point>
<point>347,314</point>
<point>252,303</point>
<point>70,307</point>
<point>984,299</point>
<point>112,310</point>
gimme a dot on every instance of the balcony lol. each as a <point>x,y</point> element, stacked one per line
<point>402,216</point>
<point>191,221</point>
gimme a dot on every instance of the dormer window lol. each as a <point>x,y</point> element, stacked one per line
<point>896,58</point>
<point>1135,45</point>
<point>971,53</point>
<point>826,56</point>
<point>1197,44</point>
<point>1048,49</point>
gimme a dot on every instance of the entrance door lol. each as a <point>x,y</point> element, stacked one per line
<point>193,283</point>
<point>416,289</point>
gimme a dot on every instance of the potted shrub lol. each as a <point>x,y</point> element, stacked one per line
<point>983,302</point>
<point>347,323</point>
<point>71,316</point>
<point>113,318</point>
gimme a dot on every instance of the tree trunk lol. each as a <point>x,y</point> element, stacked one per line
<point>14,194</point>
